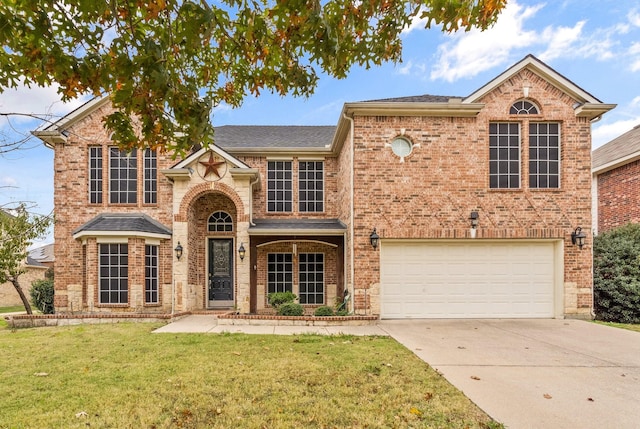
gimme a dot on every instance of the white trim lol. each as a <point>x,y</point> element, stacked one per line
<point>279,158</point>
<point>268,243</point>
<point>539,68</point>
<point>616,163</point>
<point>152,241</point>
<point>120,234</point>
<point>216,149</point>
<point>112,240</point>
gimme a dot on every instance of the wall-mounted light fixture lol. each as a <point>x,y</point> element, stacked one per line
<point>526,86</point>
<point>473,218</point>
<point>577,237</point>
<point>241,251</point>
<point>374,238</point>
<point>178,251</point>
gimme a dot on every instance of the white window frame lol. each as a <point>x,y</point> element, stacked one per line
<point>279,186</point>
<point>315,204</point>
<point>500,145</point>
<point>311,278</point>
<point>126,164</point>
<point>113,273</point>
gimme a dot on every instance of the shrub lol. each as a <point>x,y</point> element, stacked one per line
<point>42,295</point>
<point>323,311</point>
<point>342,312</point>
<point>616,275</point>
<point>290,309</point>
<point>276,299</point>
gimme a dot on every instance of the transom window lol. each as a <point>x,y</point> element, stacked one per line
<point>311,186</point>
<point>279,186</point>
<point>95,175</point>
<point>544,155</point>
<point>311,277</point>
<point>113,274</point>
<point>504,155</point>
<point>279,272</point>
<point>151,274</point>
<point>123,176</point>
<point>524,107</point>
<point>220,222</point>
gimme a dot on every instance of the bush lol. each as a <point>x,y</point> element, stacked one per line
<point>276,299</point>
<point>616,275</point>
<point>42,295</point>
<point>290,309</point>
<point>323,311</point>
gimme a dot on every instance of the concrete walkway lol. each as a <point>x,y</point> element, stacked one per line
<point>209,324</point>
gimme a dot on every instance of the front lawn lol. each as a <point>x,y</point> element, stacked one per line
<point>629,326</point>
<point>122,376</point>
<point>12,309</point>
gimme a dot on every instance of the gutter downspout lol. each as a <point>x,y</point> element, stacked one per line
<point>352,216</point>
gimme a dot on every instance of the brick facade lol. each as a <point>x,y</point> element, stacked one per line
<point>428,196</point>
<point>619,196</point>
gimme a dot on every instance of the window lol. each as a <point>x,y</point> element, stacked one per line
<point>150,176</point>
<point>123,180</point>
<point>114,273</point>
<point>220,222</point>
<point>523,107</point>
<point>279,186</point>
<point>311,276</point>
<point>279,272</point>
<point>544,155</point>
<point>95,175</point>
<point>151,274</point>
<point>311,186</point>
<point>504,155</point>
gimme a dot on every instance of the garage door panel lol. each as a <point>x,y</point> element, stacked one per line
<point>471,279</point>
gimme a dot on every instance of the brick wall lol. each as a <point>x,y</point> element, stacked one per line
<point>619,196</point>
<point>73,209</point>
<point>432,193</point>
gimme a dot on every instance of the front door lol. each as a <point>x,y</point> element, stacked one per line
<point>220,288</point>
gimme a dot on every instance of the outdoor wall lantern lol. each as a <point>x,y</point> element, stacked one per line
<point>178,251</point>
<point>577,237</point>
<point>374,238</point>
<point>474,219</point>
<point>241,251</point>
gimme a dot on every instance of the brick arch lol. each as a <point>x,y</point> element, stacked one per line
<point>206,188</point>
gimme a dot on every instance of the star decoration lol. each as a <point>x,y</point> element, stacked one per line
<point>211,166</point>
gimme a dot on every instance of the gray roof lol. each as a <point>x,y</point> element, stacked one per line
<point>425,98</point>
<point>297,226</point>
<point>43,253</point>
<point>619,148</point>
<point>273,136</point>
<point>34,263</point>
<point>133,222</point>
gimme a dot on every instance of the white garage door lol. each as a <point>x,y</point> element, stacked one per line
<point>470,279</point>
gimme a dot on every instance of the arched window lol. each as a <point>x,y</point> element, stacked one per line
<point>220,222</point>
<point>524,107</point>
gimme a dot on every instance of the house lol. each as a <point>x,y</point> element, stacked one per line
<point>33,270</point>
<point>414,207</point>
<point>616,182</point>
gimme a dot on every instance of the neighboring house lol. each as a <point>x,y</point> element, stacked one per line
<point>44,255</point>
<point>275,208</point>
<point>34,270</point>
<point>616,182</point>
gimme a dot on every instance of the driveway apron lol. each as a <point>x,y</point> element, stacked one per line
<point>534,373</point>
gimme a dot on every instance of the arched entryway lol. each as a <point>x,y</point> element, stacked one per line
<point>212,238</point>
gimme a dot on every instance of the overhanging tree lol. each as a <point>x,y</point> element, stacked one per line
<point>169,62</point>
<point>17,232</point>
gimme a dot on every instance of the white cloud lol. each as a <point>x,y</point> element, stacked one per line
<point>559,40</point>
<point>606,132</point>
<point>7,181</point>
<point>468,54</point>
<point>634,17</point>
<point>35,100</point>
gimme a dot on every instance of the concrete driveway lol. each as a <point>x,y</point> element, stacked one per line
<point>534,373</point>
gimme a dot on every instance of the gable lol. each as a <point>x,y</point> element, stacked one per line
<point>586,104</point>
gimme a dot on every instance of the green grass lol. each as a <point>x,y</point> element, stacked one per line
<point>13,309</point>
<point>122,376</point>
<point>629,326</point>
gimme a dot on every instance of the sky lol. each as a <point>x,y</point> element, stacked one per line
<point>593,43</point>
